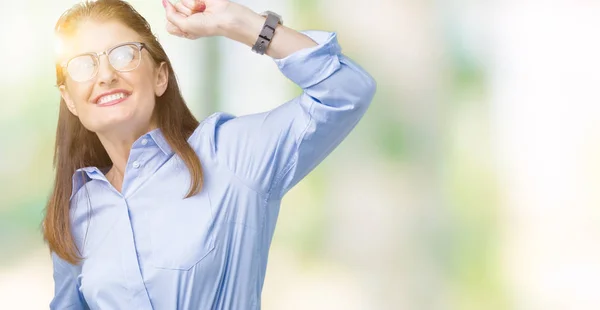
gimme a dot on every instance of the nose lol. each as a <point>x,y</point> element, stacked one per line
<point>107,75</point>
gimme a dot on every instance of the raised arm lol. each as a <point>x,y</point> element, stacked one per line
<point>272,151</point>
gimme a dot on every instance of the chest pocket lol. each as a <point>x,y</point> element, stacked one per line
<point>182,233</point>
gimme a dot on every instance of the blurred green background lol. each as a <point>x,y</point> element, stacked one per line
<point>471,183</point>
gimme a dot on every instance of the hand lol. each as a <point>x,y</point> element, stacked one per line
<point>194,19</point>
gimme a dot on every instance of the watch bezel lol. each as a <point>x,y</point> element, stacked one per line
<point>266,13</point>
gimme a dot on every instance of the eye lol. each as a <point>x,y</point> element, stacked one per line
<point>125,57</point>
<point>81,67</point>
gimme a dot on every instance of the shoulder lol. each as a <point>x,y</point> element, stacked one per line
<point>222,131</point>
<point>209,127</point>
<point>221,122</point>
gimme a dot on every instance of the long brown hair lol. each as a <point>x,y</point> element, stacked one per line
<point>76,147</point>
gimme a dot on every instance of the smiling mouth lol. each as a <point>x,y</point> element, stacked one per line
<point>112,99</point>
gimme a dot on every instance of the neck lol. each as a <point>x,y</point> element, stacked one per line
<point>118,147</point>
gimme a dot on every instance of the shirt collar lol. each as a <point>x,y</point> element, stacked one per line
<point>158,138</point>
<point>82,176</point>
<point>86,174</point>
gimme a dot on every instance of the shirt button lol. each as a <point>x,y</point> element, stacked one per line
<point>145,141</point>
<point>136,164</point>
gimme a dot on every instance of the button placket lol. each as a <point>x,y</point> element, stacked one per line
<point>136,164</point>
<point>134,169</point>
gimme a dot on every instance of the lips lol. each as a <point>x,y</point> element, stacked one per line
<point>112,97</point>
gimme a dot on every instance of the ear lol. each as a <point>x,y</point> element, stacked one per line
<point>161,79</point>
<point>67,98</point>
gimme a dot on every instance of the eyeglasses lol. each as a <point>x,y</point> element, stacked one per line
<point>123,58</point>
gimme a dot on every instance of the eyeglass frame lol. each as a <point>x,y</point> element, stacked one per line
<point>96,56</point>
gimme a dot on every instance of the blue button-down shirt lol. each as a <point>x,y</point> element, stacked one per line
<point>148,248</point>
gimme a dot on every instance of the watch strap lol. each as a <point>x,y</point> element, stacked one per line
<point>267,33</point>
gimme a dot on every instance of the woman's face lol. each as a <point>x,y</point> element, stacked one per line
<point>111,100</point>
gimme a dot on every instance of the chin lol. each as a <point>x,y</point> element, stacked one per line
<point>119,117</point>
<point>111,124</point>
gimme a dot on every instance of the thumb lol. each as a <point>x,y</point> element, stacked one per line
<point>174,17</point>
<point>197,6</point>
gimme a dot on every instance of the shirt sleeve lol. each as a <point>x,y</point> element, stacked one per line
<point>273,151</point>
<point>66,286</point>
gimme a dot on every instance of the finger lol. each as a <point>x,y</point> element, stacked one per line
<point>174,30</point>
<point>174,17</point>
<point>197,6</point>
<point>182,9</point>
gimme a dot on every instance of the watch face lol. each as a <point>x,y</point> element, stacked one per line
<point>265,13</point>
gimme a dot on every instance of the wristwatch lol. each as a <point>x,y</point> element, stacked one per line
<point>267,32</point>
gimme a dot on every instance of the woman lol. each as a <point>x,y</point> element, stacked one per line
<point>152,209</point>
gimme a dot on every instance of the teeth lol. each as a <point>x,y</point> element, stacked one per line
<point>105,99</point>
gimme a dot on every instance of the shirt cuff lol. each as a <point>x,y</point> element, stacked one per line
<point>310,66</point>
